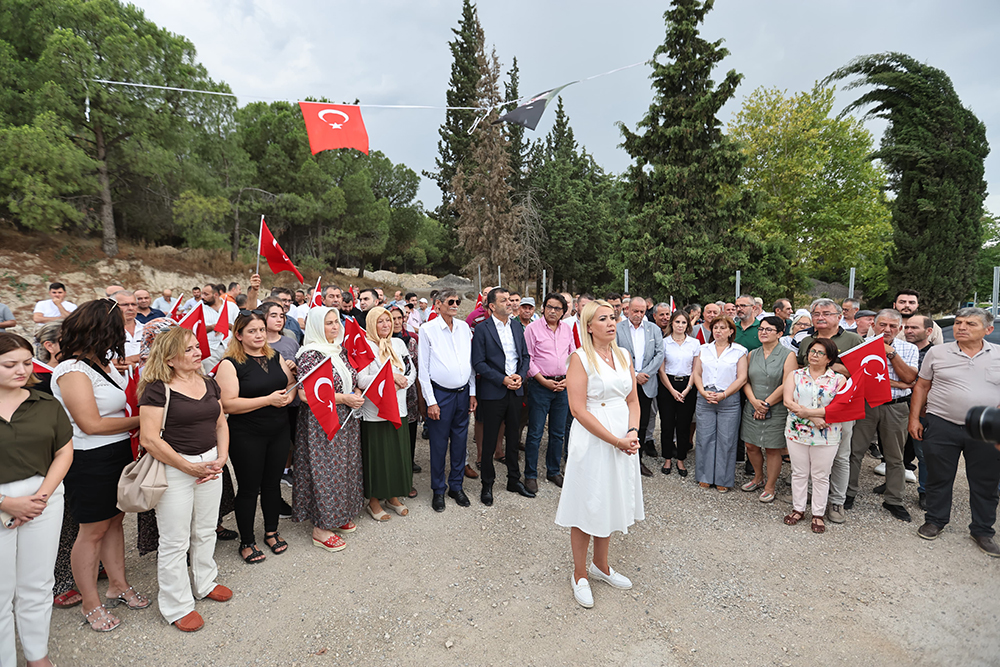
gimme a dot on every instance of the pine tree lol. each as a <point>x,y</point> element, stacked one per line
<point>489,225</point>
<point>934,151</point>
<point>686,231</point>
<point>516,145</point>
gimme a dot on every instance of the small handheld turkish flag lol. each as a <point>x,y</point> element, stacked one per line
<point>173,311</point>
<point>869,361</point>
<point>38,368</point>
<point>576,334</point>
<point>195,321</point>
<point>382,392</point>
<point>331,126</point>
<point>320,394</point>
<point>132,405</point>
<point>317,299</point>
<point>356,345</point>
<point>849,403</point>
<point>268,246</point>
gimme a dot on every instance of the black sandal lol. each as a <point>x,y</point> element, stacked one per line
<point>255,556</point>
<point>225,534</point>
<point>279,546</point>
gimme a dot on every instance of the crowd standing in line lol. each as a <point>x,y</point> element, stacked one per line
<point>594,373</point>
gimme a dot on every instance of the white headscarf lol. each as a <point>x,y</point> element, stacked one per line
<point>315,339</point>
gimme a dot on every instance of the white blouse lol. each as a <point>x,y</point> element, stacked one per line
<point>678,358</point>
<point>720,370</point>
<point>369,411</point>
<point>110,401</point>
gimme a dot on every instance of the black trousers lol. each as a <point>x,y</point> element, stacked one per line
<point>507,411</point>
<point>413,441</point>
<point>675,420</point>
<point>645,408</point>
<point>258,456</point>
<point>944,442</point>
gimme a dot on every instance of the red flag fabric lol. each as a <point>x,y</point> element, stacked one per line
<point>849,403</point>
<point>268,246</point>
<point>382,392</point>
<point>331,126</point>
<point>869,382</point>
<point>317,299</point>
<point>673,308</point>
<point>576,334</point>
<point>322,401</point>
<point>173,311</point>
<point>356,345</point>
<point>38,368</point>
<point>479,301</point>
<point>433,314</point>
<point>222,324</point>
<point>132,405</point>
<point>195,321</point>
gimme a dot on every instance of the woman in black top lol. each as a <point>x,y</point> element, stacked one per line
<point>253,380</point>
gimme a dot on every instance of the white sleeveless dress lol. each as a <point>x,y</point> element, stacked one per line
<point>602,489</point>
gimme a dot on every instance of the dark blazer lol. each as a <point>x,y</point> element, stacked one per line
<point>488,359</point>
<point>652,355</point>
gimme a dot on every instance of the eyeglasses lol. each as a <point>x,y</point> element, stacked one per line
<point>453,302</point>
<point>559,308</point>
<point>247,313</point>
<point>114,304</point>
<point>816,352</point>
<point>767,330</point>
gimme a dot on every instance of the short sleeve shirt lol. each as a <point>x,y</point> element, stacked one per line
<point>49,309</point>
<point>191,423</point>
<point>959,382</point>
<point>5,314</point>
<point>748,338</point>
<point>37,430</point>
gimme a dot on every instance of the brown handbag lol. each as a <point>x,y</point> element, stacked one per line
<point>143,482</point>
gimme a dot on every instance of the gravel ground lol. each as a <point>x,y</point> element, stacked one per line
<point>718,580</point>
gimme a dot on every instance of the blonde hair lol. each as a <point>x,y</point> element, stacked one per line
<point>167,346</point>
<point>385,349</point>
<point>587,341</point>
<point>235,349</point>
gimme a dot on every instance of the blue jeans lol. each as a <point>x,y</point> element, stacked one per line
<point>543,404</point>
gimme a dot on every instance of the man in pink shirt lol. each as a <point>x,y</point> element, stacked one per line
<point>550,342</point>
<point>479,313</point>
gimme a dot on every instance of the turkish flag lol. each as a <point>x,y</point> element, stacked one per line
<point>222,324</point>
<point>268,246</point>
<point>322,401</point>
<point>433,314</point>
<point>331,126</point>
<point>576,333</point>
<point>317,299</point>
<point>869,360</point>
<point>849,403</point>
<point>356,345</point>
<point>38,368</point>
<point>132,405</point>
<point>173,311</point>
<point>195,321</point>
<point>382,392</point>
<point>479,301</point>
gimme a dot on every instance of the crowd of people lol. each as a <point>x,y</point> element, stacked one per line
<point>727,381</point>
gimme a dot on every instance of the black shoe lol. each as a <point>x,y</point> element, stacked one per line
<point>874,452</point>
<point>556,479</point>
<point>849,503</point>
<point>438,502</point>
<point>486,495</point>
<point>898,511</point>
<point>922,501</point>
<point>880,489</point>
<point>460,498</point>
<point>649,448</point>
<point>666,471</point>
<point>417,468</point>
<point>748,468</point>
<point>682,472</point>
<point>516,486</point>
<point>286,510</point>
<point>424,433</point>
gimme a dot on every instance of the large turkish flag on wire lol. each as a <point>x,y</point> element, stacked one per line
<point>276,258</point>
<point>356,345</point>
<point>382,392</point>
<point>322,401</point>
<point>331,126</point>
<point>195,321</point>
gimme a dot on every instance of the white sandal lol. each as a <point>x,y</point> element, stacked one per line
<point>399,509</point>
<point>381,516</point>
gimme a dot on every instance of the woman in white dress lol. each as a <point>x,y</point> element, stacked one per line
<point>602,491</point>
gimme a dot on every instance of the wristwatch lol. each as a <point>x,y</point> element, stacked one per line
<point>632,429</point>
<point>891,355</point>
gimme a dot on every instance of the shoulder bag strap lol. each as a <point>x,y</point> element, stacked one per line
<point>166,405</point>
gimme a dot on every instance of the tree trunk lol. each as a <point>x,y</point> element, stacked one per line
<point>234,253</point>
<point>110,240</point>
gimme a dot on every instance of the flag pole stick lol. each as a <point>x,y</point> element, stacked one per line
<point>304,377</point>
<point>260,235</point>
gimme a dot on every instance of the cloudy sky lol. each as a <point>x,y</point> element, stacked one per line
<point>396,52</point>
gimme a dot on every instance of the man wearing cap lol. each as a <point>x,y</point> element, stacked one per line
<point>526,313</point>
<point>864,323</point>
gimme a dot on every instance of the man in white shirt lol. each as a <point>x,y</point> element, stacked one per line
<point>851,307</point>
<point>214,303</point>
<point>644,341</point>
<point>889,419</point>
<point>133,328</point>
<point>55,308</point>
<point>165,301</point>
<point>449,389</point>
<point>193,301</point>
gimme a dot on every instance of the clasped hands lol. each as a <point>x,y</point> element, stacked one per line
<point>206,471</point>
<point>629,444</point>
<point>25,508</point>
<point>512,382</point>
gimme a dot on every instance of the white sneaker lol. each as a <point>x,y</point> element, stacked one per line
<point>880,469</point>
<point>911,477</point>
<point>614,579</point>
<point>582,592</point>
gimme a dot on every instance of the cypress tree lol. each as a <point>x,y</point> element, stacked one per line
<point>686,230</point>
<point>934,151</point>
<point>516,145</point>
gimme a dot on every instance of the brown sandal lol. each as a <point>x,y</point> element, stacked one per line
<point>818,527</point>
<point>794,518</point>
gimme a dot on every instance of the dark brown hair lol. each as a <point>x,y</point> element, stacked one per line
<point>687,318</point>
<point>235,349</point>
<point>93,330</point>
<point>832,354</point>
<point>9,342</point>
<point>729,323</point>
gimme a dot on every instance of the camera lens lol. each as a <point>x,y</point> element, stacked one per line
<point>983,423</point>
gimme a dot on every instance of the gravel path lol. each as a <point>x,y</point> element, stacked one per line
<point>718,580</point>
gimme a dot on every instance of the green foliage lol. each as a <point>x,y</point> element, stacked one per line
<point>820,196</point>
<point>687,231</point>
<point>989,257</point>
<point>517,147</point>
<point>933,151</point>
<point>201,219</point>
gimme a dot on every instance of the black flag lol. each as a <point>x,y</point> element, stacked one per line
<point>528,114</point>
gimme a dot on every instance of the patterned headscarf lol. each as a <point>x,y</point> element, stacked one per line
<point>150,331</point>
<point>385,349</point>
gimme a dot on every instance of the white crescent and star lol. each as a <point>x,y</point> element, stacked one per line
<point>319,383</point>
<point>336,126</point>
<point>847,387</point>
<point>873,357</point>
<point>380,386</point>
<point>274,242</point>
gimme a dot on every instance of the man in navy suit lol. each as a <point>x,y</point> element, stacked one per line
<point>500,360</point>
<point>644,341</point>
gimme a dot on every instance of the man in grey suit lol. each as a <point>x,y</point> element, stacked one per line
<point>644,342</point>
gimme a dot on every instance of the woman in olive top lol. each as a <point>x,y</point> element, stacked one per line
<point>254,380</point>
<point>182,425</point>
<point>34,458</point>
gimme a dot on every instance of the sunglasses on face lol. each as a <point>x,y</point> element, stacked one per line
<point>453,302</point>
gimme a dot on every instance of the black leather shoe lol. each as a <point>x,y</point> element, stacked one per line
<point>417,468</point>
<point>880,489</point>
<point>666,471</point>
<point>849,503</point>
<point>929,531</point>
<point>922,501</point>
<point>987,545</point>
<point>460,498</point>
<point>486,495</point>
<point>898,511</point>
<point>438,502</point>
<point>682,472</point>
<point>556,479</point>
<point>515,486</point>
